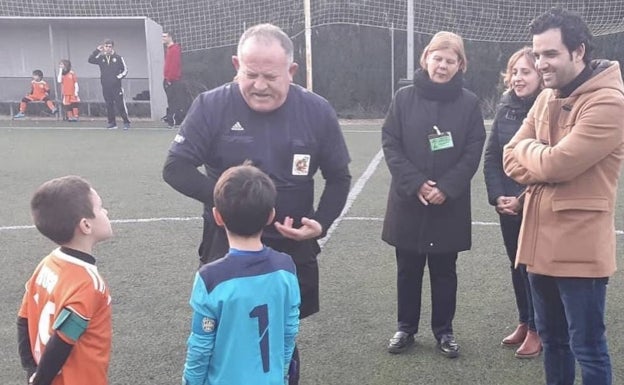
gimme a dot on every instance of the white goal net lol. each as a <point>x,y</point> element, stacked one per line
<point>203,24</point>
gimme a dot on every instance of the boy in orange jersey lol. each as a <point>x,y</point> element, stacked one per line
<point>39,91</point>
<point>64,324</point>
<point>69,89</point>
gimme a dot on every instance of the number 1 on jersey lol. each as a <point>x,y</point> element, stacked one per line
<point>262,313</point>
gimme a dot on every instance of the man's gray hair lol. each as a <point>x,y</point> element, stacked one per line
<point>267,33</point>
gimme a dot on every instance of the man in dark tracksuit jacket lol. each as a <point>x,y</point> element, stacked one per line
<point>289,133</point>
<point>112,69</point>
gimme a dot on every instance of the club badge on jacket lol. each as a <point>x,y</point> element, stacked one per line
<point>301,164</point>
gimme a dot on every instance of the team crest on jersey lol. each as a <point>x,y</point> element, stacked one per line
<point>301,164</point>
<point>178,139</point>
<point>208,325</point>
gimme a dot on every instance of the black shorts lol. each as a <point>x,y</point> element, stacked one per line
<point>304,254</point>
<point>215,245</point>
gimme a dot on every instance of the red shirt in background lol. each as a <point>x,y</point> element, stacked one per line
<point>173,63</point>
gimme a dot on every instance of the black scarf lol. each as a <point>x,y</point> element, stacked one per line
<point>443,92</point>
<point>581,78</point>
<point>511,100</point>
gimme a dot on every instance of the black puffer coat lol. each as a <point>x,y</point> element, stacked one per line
<point>414,111</point>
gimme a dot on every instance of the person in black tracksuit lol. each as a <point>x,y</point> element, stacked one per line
<point>112,69</point>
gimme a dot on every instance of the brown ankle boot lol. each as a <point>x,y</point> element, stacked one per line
<point>517,337</point>
<point>531,347</point>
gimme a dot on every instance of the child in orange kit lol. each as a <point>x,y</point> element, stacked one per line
<point>69,89</point>
<point>39,91</point>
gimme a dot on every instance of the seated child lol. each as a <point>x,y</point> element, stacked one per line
<point>64,325</point>
<point>69,90</point>
<point>246,304</point>
<point>39,91</point>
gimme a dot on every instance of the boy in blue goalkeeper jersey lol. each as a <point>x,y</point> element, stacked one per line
<point>245,305</point>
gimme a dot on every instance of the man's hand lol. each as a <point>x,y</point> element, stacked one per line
<point>309,229</point>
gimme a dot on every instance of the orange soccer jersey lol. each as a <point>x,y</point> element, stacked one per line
<point>39,90</point>
<point>68,88</point>
<point>62,281</point>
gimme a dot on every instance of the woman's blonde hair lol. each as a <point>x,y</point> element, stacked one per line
<point>527,52</point>
<point>446,40</point>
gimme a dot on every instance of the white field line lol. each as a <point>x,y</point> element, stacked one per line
<point>137,220</point>
<point>187,219</point>
<point>353,194</point>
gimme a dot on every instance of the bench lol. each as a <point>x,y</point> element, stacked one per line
<point>33,108</point>
<point>91,100</point>
<point>95,108</point>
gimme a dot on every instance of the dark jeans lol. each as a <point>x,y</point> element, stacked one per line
<point>443,278</point>
<point>510,228</point>
<point>569,314</point>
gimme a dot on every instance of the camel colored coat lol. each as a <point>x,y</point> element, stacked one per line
<point>570,151</point>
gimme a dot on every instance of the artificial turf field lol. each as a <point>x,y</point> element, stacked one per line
<point>150,263</point>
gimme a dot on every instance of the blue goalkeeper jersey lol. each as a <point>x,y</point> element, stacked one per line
<point>245,320</point>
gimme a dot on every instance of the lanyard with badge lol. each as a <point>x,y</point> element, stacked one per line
<point>440,140</point>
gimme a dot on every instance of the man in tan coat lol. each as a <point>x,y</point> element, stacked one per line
<point>569,152</point>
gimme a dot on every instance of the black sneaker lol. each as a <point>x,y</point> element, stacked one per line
<point>399,342</point>
<point>448,347</point>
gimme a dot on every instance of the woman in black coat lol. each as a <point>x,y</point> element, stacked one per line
<point>523,83</point>
<point>432,139</point>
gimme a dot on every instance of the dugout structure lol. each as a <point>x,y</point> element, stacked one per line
<point>30,43</point>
